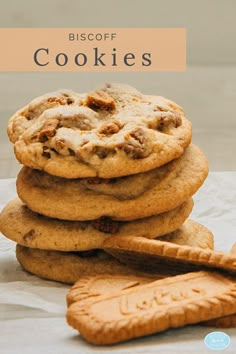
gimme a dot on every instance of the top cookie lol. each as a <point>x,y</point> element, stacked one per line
<point>111,132</point>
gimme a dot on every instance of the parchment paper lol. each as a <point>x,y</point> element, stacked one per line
<point>32,311</point>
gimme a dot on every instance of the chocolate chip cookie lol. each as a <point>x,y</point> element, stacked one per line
<point>110,132</point>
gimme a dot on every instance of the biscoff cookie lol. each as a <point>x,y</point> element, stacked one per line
<point>68,267</point>
<point>104,284</point>
<point>91,286</point>
<point>37,231</point>
<point>153,255</point>
<point>125,198</point>
<point>110,132</point>
<point>153,307</point>
<point>233,249</point>
<point>99,285</point>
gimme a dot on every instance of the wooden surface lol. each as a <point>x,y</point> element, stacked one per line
<point>207,93</point>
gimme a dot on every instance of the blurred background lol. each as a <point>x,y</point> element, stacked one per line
<point>207,90</point>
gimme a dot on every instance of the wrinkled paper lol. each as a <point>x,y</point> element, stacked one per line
<point>32,310</point>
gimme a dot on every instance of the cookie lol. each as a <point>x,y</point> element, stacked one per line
<point>34,230</point>
<point>104,284</point>
<point>191,233</point>
<point>233,249</point>
<point>153,255</point>
<point>221,322</point>
<point>110,132</point>
<point>68,267</point>
<point>126,198</point>
<point>153,307</point>
<point>226,321</point>
<point>94,286</point>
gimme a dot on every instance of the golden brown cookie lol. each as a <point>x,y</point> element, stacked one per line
<point>34,230</point>
<point>104,284</point>
<point>125,198</point>
<point>68,267</point>
<point>110,132</point>
<point>191,233</point>
<point>226,321</point>
<point>153,307</point>
<point>221,322</point>
<point>153,255</point>
<point>94,286</point>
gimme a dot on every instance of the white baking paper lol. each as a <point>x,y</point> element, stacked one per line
<point>32,310</point>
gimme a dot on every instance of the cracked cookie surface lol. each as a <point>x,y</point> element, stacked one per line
<point>110,132</point>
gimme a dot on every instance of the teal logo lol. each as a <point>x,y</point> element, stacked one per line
<point>217,340</point>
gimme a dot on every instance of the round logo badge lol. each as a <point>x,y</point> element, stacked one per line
<point>217,340</point>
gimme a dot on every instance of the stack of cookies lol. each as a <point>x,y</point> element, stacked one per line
<point>107,164</point>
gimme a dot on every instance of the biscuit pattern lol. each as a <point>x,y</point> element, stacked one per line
<point>137,251</point>
<point>113,131</point>
<point>226,321</point>
<point>68,267</point>
<point>191,233</point>
<point>167,187</point>
<point>154,307</point>
<point>90,287</point>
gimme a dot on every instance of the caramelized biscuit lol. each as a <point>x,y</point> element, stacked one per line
<point>109,132</point>
<point>153,307</point>
<point>34,230</point>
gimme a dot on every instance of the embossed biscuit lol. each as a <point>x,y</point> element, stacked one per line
<point>34,230</point>
<point>68,267</point>
<point>86,288</point>
<point>104,284</point>
<point>154,307</point>
<point>153,255</point>
<point>127,198</point>
<point>113,131</point>
<point>226,321</point>
<point>93,286</point>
